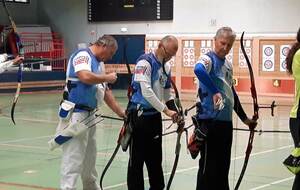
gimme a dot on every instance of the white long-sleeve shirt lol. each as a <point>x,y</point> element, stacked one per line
<point>4,64</point>
<point>153,93</point>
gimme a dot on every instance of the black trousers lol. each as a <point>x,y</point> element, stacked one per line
<point>295,132</point>
<point>146,147</point>
<point>214,163</point>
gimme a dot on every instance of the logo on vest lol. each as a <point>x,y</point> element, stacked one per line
<point>81,60</point>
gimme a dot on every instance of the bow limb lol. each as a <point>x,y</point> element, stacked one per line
<point>252,88</point>
<point>20,52</point>
<point>13,25</point>
<point>108,164</point>
<point>17,93</point>
<point>177,153</point>
<point>254,117</point>
<point>15,32</point>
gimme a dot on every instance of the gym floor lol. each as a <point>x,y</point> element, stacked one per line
<point>27,164</point>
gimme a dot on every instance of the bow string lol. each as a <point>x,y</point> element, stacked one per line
<point>129,92</point>
<point>180,128</point>
<point>254,117</point>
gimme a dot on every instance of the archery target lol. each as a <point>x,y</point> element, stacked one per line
<point>172,61</point>
<point>268,59</point>
<point>229,56</point>
<point>188,53</point>
<point>284,50</point>
<point>268,64</point>
<point>248,50</point>
<point>206,46</point>
<point>268,51</point>
<point>283,65</point>
<point>151,46</point>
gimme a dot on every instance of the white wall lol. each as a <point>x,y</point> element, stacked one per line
<point>194,16</point>
<point>69,17</point>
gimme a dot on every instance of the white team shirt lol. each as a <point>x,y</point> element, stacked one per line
<point>156,93</point>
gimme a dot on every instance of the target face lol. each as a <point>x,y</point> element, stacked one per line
<point>285,51</point>
<point>268,64</point>
<point>268,51</point>
<point>283,64</point>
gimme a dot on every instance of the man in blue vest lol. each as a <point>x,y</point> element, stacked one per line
<point>84,77</point>
<point>218,99</point>
<point>151,96</point>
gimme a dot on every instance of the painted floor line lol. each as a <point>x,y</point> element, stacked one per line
<point>33,120</point>
<point>196,167</point>
<point>165,174</point>
<point>273,183</point>
<point>263,152</point>
<point>25,139</point>
<point>26,186</point>
<point>100,154</point>
<point>24,146</point>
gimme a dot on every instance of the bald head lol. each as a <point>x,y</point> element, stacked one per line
<point>170,41</point>
<point>107,40</point>
<point>167,48</point>
<point>104,48</point>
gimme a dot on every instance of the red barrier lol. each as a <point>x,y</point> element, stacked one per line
<point>45,45</point>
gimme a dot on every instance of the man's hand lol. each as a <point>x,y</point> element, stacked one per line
<point>122,114</point>
<point>18,60</point>
<point>170,113</point>
<point>91,78</point>
<point>112,77</point>
<point>175,118</point>
<point>251,123</point>
<point>218,101</point>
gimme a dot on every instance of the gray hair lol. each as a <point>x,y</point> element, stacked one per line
<point>225,32</point>
<point>168,39</point>
<point>107,40</point>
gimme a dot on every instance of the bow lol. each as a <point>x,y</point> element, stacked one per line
<point>254,117</point>
<point>129,92</point>
<point>21,52</point>
<point>179,130</point>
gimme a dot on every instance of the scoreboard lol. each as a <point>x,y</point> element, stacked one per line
<point>129,10</point>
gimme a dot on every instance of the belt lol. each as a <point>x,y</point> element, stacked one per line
<point>83,107</point>
<point>145,111</point>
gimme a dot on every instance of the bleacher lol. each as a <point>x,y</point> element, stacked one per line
<point>39,43</point>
